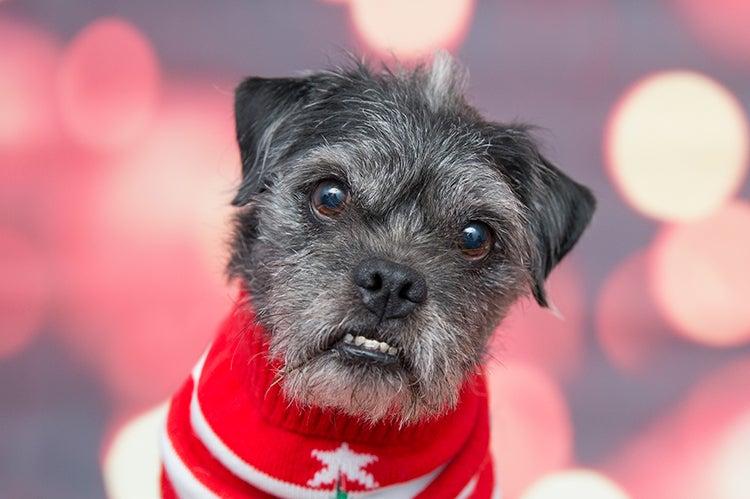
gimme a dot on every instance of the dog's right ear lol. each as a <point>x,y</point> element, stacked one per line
<point>260,107</point>
<point>558,209</point>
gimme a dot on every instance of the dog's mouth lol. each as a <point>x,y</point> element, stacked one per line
<point>367,350</point>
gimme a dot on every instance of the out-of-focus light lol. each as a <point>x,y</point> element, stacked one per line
<point>536,335</point>
<point>108,84</point>
<point>713,403</point>
<point>575,484</point>
<point>677,145</point>
<point>180,180</point>
<point>722,24</point>
<point>23,291</point>
<point>144,261</point>
<point>729,470</point>
<point>700,277</point>
<point>141,311</point>
<point>411,29</point>
<point>531,429</point>
<point>131,462</point>
<point>27,98</point>
<point>717,421</point>
<point>174,319</point>
<point>628,324</point>
<point>684,452</point>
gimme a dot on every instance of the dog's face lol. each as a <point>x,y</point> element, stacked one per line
<point>384,228</point>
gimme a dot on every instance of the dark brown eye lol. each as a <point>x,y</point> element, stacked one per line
<point>476,240</point>
<point>330,198</point>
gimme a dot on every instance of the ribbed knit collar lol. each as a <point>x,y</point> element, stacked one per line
<point>244,349</point>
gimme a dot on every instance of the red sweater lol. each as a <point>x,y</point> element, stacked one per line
<point>230,433</point>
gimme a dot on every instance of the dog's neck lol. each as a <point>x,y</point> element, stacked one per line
<point>234,408</point>
<point>250,362</point>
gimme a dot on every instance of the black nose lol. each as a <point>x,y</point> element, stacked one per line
<point>389,289</point>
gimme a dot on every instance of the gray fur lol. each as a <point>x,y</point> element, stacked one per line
<point>421,163</point>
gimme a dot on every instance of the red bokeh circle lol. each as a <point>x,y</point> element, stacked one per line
<point>700,277</point>
<point>108,84</point>
<point>628,324</point>
<point>24,290</point>
<point>531,427</point>
<point>549,340</point>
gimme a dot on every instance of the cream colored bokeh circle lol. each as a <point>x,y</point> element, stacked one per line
<point>677,145</point>
<point>131,464</point>
<point>411,29</point>
<point>574,484</point>
<point>728,471</point>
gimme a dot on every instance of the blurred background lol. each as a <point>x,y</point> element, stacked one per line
<point>117,163</point>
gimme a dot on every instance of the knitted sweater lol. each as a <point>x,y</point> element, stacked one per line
<point>230,433</point>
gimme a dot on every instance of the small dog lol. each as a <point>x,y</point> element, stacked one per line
<point>384,228</point>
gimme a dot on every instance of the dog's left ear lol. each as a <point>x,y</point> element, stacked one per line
<point>260,107</point>
<point>558,209</point>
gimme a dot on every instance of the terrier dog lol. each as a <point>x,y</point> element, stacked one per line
<point>384,228</point>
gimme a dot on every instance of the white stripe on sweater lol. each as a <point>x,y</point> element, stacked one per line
<point>180,477</point>
<point>469,488</point>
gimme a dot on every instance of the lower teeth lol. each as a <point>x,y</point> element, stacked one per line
<point>370,344</point>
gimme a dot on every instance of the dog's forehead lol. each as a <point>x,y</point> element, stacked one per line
<point>396,143</point>
<point>408,150</point>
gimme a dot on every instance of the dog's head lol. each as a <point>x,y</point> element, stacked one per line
<point>384,228</point>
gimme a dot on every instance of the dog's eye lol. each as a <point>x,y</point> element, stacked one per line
<point>330,198</point>
<point>476,240</point>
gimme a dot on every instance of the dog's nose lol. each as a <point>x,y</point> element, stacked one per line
<point>389,289</point>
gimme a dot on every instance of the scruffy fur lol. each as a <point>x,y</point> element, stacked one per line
<point>421,163</point>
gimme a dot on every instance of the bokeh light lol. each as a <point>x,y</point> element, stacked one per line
<point>677,145</point>
<point>575,484</point>
<point>628,324</point>
<point>537,335</point>
<point>531,428</point>
<point>141,311</point>
<point>722,24</point>
<point>108,84</point>
<point>131,461</point>
<point>24,290</point>
<point>411,29</point>
<point>184,308</point>
<point>180,179</point>
<point>27,97</point>
<point>729,470</point>
<point>143,259</point>
<point>715,416</point>
<point>700,277</point>
<point>686,452</point>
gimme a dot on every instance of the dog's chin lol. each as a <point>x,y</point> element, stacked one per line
<point>367,382</point>
<point>357,388</point>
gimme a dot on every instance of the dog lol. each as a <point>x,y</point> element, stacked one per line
<point>383,229</point>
